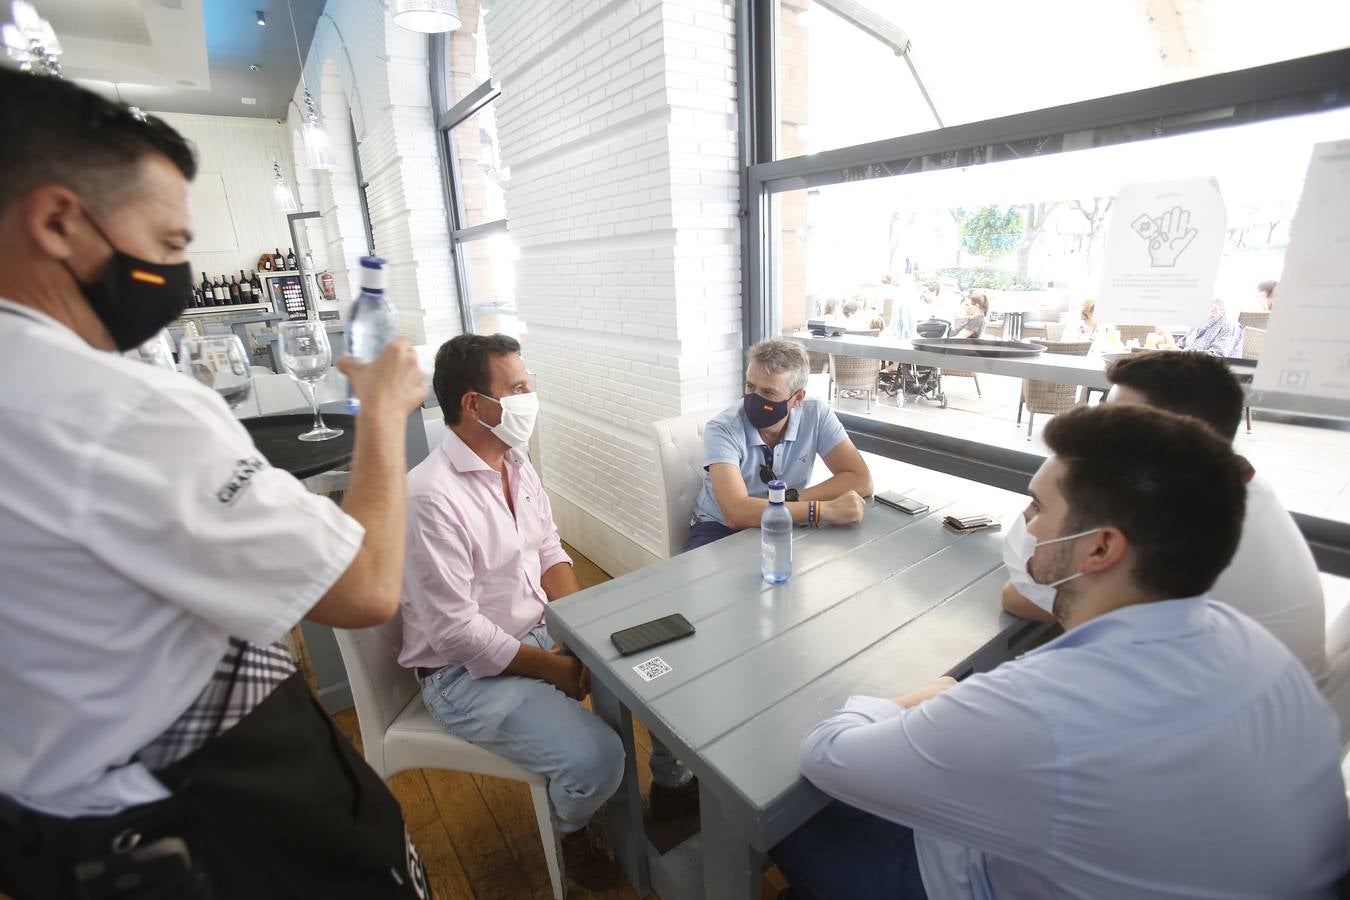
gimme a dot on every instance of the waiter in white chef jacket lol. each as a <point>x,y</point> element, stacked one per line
<point>155,738</point>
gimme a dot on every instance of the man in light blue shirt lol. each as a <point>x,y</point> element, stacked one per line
<point>775,434</point>
<point>1165,746</point>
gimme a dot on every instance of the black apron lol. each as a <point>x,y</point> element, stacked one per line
<point>279,806</point>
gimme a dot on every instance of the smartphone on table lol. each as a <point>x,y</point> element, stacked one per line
<point>651,634</point>
<point>905,504</point>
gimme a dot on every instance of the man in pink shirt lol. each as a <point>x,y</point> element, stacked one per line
<point>483,560</point>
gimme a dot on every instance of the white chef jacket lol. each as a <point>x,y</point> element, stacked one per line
<point>139,530</point>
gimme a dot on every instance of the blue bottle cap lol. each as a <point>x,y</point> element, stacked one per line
<point>372,262</point>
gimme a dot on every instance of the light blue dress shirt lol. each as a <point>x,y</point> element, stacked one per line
<point>813,429</point>
<point>1171,749</point>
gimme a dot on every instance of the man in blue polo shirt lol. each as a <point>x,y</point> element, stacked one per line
<point>775,433</point>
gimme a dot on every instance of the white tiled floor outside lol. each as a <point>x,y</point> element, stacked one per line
<point>1310,467</point>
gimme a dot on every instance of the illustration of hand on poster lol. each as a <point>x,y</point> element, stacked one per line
<point>1163,244</point>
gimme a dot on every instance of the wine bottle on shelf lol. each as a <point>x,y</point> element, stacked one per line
<point>235,297</point>
<point>216,298</point>
<point>278,261</point>
<point>205,288</point>
<point>245,290</point>
<point>258,296</point>
<point>290,258</point>
<point>267,262</point>
<point>222,291</point>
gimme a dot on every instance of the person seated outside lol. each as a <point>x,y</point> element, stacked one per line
<point>483,561</point>
<point>1164,746</point>
<point>851,309</point>
<point>878,324</point>
<point>1219,336</point>
<point>976,308</point>
<point>1265,294</point>
<point>831,308</point>
<point>1085,329</point>
<point>932,305</point>
<point>775,434</point>
<point>1272,577</point>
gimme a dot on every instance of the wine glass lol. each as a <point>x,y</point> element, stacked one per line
<point>306,355</point>
<point>157,351</point>
<point>219,362</point>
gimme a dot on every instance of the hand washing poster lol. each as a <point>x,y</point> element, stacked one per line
<point>1307,349</point>
<point>1163,245</point>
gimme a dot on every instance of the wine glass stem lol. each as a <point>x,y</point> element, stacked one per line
<point>314,402</point>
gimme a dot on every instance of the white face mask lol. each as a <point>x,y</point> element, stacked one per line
<point>518,414</point>
<point>1019,545</point>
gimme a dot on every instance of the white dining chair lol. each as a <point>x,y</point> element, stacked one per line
<point>679,468</point>
<point>398,733</point>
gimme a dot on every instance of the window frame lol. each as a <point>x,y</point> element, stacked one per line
<point>447,118</point>
<point>1274,91</point>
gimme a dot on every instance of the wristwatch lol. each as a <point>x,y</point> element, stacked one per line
<point>790,495</point>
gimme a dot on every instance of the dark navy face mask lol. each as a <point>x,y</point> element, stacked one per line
<point>764,413</point>
<point>135,298</point>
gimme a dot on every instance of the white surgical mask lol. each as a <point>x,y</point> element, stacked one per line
<point>1019,545</point>
<point>518,414</point>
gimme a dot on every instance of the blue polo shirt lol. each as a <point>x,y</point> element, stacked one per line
<point>813,429</point>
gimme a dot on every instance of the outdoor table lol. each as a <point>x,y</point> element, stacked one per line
<point>876,608</point>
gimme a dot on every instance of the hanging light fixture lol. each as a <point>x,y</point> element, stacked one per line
<point>427,16</point>
<point>282,198</point>
<point>31,41</point>
<point>319,152</point>
<point>318,146</point>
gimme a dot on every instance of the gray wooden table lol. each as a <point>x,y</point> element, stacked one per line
<point>877,608</point>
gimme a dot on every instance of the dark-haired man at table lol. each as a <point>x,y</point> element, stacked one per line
<point>484,561</point>
<point>1272,577</point>
<point>1165,746</point>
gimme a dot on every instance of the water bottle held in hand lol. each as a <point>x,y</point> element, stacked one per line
<point>372,321</point>
<point>775,529</point>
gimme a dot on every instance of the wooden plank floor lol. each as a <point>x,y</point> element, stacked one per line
<point>477,835</point>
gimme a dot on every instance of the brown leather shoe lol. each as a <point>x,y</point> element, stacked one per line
<point>587,860</point>
<point>671,803</point>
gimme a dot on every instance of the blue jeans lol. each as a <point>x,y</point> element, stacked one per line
<point>701,533</point>
<point>844,852</point>
<point>541,729</point>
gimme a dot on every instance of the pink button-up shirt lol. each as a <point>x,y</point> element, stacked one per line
<point>471,586</point>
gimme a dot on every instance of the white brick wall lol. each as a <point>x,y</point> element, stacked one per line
<point>618,122</point>
<point>383,78</point>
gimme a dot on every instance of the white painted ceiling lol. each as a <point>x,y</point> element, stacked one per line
<point>184,56</point>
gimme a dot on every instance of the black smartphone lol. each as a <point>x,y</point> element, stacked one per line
<point>901,502</point>
<point>651,634</point>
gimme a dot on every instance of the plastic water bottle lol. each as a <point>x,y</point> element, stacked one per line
<point>775,535</point>
<point>372,321</point>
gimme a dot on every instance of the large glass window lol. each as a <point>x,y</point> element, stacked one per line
<point>483,252</point>
<point>853,71</point>
<point>884,254</point>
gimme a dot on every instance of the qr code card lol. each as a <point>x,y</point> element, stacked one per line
<point>651,669</point>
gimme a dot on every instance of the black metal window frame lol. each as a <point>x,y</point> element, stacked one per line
<point>361,185</point>
<point>448,116</point>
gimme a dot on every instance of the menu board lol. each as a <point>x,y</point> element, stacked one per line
<point>1163,244</point>
<point>288,295</point>
<point>1307,349</point>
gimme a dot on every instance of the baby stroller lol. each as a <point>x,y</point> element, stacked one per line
<point>920,381</point>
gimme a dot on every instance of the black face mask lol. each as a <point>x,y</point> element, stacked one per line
<point>764,413</point>
<point>134,298</point>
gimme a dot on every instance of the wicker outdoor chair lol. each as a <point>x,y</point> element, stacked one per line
<point>1049,397</point>
<point>1259,320</point>
<point>854,375</point>
<point>1253,342</point>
